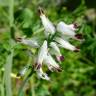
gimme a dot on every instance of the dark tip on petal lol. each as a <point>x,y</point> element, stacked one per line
<point>76,25</point>
<point>59,69</point>
<point>77,49</point>
<point>38,66</point>
<point>40,11</point>
<point>79,36</point>
<point>18,39</point>
<point>61,58</point>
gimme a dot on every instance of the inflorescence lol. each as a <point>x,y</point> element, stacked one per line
<point>56,37</point>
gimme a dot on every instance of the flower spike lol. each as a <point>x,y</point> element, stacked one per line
<point>49,45</point>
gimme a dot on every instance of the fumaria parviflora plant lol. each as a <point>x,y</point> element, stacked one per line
<point>48,50</point>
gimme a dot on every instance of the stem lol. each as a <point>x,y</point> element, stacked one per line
<point>11,19</point>
<point>32,86</point>
<point>27,77</point>
<point>11,12</point>
<point>51,38</point>
<point>2,90</point>
<point>7,77</point>
<point>24,82</point>
<point>9,60</point>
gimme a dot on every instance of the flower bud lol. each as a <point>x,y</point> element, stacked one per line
<point>42,54</point>
<point>48,26</point>
<point>56,51</point>
<point>65,44</point>
<point>52,65</point>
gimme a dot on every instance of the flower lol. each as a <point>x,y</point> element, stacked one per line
<point>65,44</point>
<point>51,45</point>
<point>72,27</point>
<point>68,30</point>
<point>41,55</point>
<point>56,51</point>
<point>48,26</point>
<point>23,71</point>
<point>52,65</point>
<point>31,42</point>
<point>41,74</point>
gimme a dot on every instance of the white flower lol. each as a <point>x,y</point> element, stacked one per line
<point>41,74</point>
<point>23,71</point>
<point>48,26</point>
<point>31,42</point>
<point>52,65</point>
<point>63,28</point>
<point>68,30</point>
<point>65,44</point>
<point>56,51</point>
<point>41,54</point>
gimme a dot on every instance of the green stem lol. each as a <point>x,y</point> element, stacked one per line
<point>27,77</point>
<point>51,38</point>
<point>2,90</point>
<point>7,77</point>
<point>11,12</point>
<point>24,82</point>
<point>32,86</point>
<point>9,60</point>
<point>11,19</point>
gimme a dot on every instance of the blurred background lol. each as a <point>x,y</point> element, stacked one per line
<point>20,17</point>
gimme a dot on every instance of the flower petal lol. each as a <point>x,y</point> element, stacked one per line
<point>60,58</point>
<point>56,51</point>
<point>65,44</point>
<point>79,36</point>
<point>69,30</point>
<point>55,47</point>
<point>65,29</point>
<point>52,65</point>
<point>42,75</point>
<point>42,54</point>
<point>48,26</point>
<point>31,42</point>
<point>23,71</point>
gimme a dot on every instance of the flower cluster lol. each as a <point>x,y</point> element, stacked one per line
<point>56,37</point>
